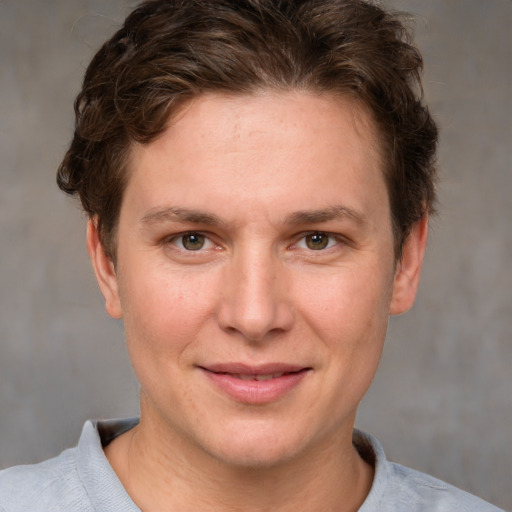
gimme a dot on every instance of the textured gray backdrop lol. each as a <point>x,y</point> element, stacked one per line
<point>442,400</point>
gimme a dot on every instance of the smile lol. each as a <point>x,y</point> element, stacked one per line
<point>255,386</point>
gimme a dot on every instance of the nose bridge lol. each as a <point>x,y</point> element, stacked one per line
<point>254,303</point>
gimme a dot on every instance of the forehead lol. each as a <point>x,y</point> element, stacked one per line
<point>304,112</point>
<point>231,147</point>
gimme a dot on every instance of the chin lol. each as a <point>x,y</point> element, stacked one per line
<point>256,457</point>
<point>257,446</point>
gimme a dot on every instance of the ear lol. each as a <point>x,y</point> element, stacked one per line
<point>105,271</point>
<point>408,269</point>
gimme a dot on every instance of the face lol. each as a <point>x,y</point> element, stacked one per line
<point>255,274</point>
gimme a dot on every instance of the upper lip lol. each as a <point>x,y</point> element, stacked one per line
<point>246,369</point>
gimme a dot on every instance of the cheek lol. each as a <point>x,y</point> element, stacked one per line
<point>345,302</point>
<point>349,316</point>
<point>163,312</point>
<point>163,319</point>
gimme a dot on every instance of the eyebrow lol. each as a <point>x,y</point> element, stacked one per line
<point>192,216</point>
<point>325,215</point>
<point>172,214</point>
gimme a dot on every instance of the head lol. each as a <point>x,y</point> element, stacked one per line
<point>169,52</point>
<point>253,170</point>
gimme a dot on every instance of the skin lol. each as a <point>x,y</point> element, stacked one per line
<point>252,177</point>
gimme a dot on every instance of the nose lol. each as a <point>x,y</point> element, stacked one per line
<point>254,302</point>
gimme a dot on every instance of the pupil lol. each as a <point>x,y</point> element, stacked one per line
<point>193,242</point>
<point>317,241</point>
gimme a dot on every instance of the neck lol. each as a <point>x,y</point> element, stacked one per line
<point>162,473</point>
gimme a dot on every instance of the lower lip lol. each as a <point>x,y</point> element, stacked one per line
<point>255,392</point>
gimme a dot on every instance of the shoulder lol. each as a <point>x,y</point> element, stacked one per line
<point>51,485</point>
<point>79,479</point>
<point>399,489</point>
<point>408,486</point>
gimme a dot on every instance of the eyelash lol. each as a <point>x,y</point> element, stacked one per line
<point>178,240</point>
<point>332,240</point>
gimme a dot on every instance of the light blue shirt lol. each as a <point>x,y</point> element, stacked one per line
<point>81,480</point>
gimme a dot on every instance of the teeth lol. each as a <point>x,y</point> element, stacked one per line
<point>267,376</point>
<point>264,377</point>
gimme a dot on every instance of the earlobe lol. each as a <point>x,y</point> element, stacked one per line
<point>408,270</point>
<point>104,270</point>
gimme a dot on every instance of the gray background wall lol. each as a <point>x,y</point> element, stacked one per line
<point>442,399</point>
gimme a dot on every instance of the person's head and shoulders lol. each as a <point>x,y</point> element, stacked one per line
<point>258,176</point>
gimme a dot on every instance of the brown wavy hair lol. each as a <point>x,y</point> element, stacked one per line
<point>169,51</point>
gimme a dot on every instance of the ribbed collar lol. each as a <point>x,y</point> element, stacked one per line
<point>103,488</point>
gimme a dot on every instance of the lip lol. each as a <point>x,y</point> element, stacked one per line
<point>280,379</point>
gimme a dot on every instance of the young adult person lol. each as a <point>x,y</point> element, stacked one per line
<point>258,176</point>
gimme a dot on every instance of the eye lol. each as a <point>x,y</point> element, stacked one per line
<point>317,241</point>
<point>192,242</point>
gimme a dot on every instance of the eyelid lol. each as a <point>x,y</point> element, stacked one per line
<point>334,237</point>
<point>172,239</point>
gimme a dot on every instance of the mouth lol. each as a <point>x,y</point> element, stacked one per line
<point>259,378</point>
<point>255,385</point>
